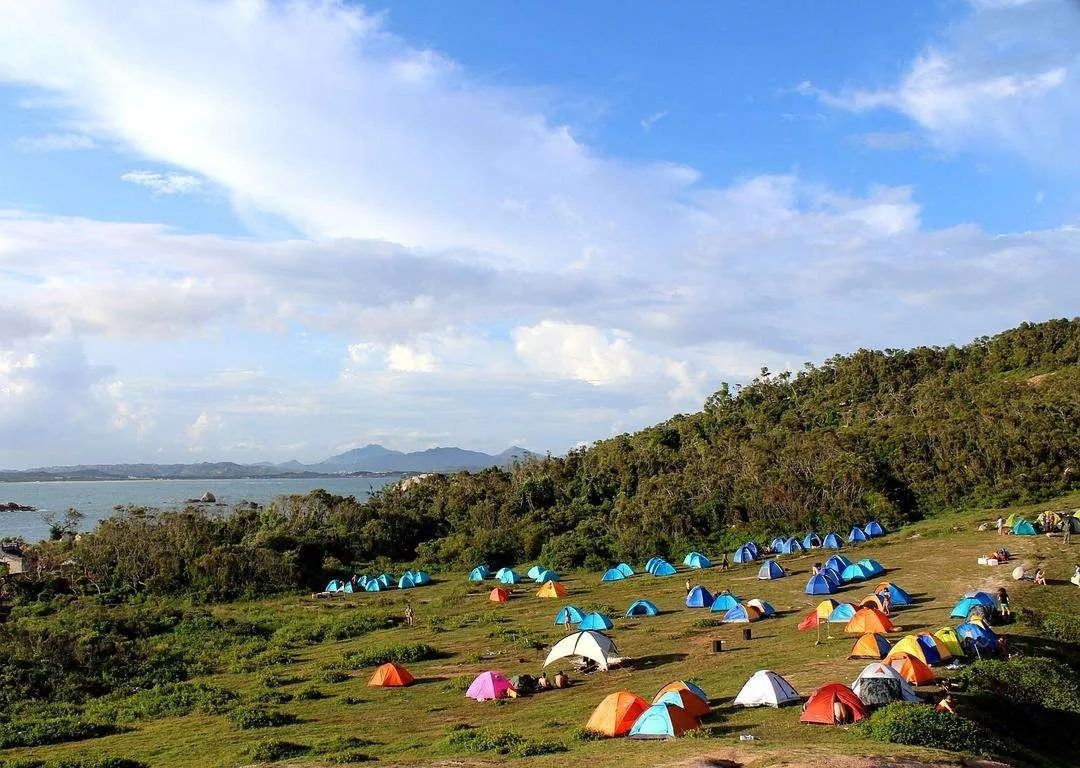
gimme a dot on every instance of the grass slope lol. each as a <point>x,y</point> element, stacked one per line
<point>934,560</point>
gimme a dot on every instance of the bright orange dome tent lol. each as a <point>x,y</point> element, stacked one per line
<point>910,668</point>
<point>498,595</point>
<point>615,715</point>
<point>552,589</point>
<point>870,646</point>
<point>833,704</point>
<point>869,620</point>
<point>391,675</point>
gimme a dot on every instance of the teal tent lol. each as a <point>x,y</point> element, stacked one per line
<point>573,612</point>
<point>697,560</point>
<point>1023,527</point>
<point>656,723</point>
<point>664,569</point>
<point>642,608</point>
<point>595,621</point>
<point>613,574</point>
<point>625,570</point>
<point>724,602</point>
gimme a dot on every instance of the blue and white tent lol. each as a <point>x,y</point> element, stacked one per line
<point>572,611</point>
<point>792,547</point>
<point>831,541</point>
<point>872,566</point>
<point>479,573</point>
<point>856,535</point>
<point>699,597</point>
<point>535,571</point>
<point>855,572</point>
<point>842,614</point>
<point>837,563</point>
<point>655,723</point>
<point>873,529</point>
<point>507,576</point>
<point>743,555</point>
<point>663,569</point>
<point>765,608</point>
<point>811,541</point>
<point>406,582</point>
<point>697,560</point>
<point>771,569</point>
<point>653,562</point>
<point>625,570</point>
<point>737,614</point>
<point>545,576</point>
<point>724,602</point>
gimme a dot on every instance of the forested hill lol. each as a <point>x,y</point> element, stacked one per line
<point>893,434</point>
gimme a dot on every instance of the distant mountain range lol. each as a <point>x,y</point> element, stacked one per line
<point>369,460</point>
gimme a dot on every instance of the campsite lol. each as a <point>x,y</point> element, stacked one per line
<point>328,695</point>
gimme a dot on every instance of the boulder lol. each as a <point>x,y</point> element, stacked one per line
<point>208,498</point>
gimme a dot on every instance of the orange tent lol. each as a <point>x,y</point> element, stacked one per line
<point>552,589</point>
<point>910,668</point>
<point>685,698</point>
<point>391,675</point>
<point>498,595</point>
<point>869,620</point>
<point>682,685</point>
<point>873,601</point>
<point>870,646</point>
<point>833,704</point>
<point>615,715</point>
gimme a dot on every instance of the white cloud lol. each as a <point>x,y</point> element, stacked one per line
<point>198,430</point>
<point>404,359</point>
<point>1006,76</point>
<point>649,121</point>
<point>56,142</point>
<point>575,351</point>
<point>171,183</point>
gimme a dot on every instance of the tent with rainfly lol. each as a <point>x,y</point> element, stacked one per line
<point>663,721</point>
<point>832,577</point>
<point>534,571</point>
<point>336,585</point>
<point>724,602</point>
<point>568,612</point>
<point>498,595</point>
<point>765,688</point>
<point>832,541</point>
<point>373,585</point>
<point>871,645</point>
<point>981,639</point>
<point>653,562</point>
<point>697,560</point>
<point>625,570</point>
<point>762,606</point>
<point>595,621</point>
<point>791,547</point>
<point>873,529</point>
<point>771,569</point>
<point>743,555</point>
<point>856,535</point>
<point>821,707</point>
<point>699,597</point>
<point>552,589</point>
<point>509,577</point>
<point>912,669</point>
<point>924,647</point>
<point>642,608</point>
<point>685,698</point>
<point>406,582</point>
<point>741,614</point>
<point>842,614</point>
<point>587,644</point>
<point>613,574</point>
<point>678,685</point>
<point>663,569</point>
<point>819,585</point>
<point>777,544</point>
<point>947,637</point>
<point>545,576</point>
<point>754,548</point>
<point>385,579</point>
<point>879,684</point>
<point>811,541</point>
<point>615,715</point>
<point>837,563</point>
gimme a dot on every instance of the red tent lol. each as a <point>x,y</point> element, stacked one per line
<point>833,704</point>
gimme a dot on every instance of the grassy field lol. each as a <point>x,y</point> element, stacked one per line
<point>934,560</point>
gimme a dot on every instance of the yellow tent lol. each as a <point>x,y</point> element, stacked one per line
<point>552,589</point>
<point>947,636</point>
<point>910,644</point>
<point>825,608</point>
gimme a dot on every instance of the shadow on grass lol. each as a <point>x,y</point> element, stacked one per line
<point>433,679</point>
<point>651,662</point>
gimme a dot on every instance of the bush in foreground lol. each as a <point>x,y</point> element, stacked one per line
<point>919,725</point>
<point>1034,681</point>
<point>399,654</point>
<point>469,739</point>
<point>54,730</point>
<point>247,718</point>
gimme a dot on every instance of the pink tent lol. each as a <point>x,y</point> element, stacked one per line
<point>488,685</point>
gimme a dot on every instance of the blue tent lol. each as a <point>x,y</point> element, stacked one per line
<point>697,560</point>
<point>406,582</point>
<point>737,614</point>
<point>873,567</point>
<point>362,581</point>
<point>545,576</point>
<point>664,569</point>
<point>929,648</point>
<point>422,578</point>
<point>625,570</point>
<point>983,639</point>
<point>653,562</point>
<point>856,535</point>
<point>699,597</point>
<point>792,547</point>
<point>508,576</point>
<point>897,596</point>
<point>535,571</point>
<point>499,573</point>
<point>724,602</point>
<point>654,723</point>
<point>335,586</point>
<point>642,608</point>
<point>842,614</point>
<point>964,608</point>
<point>985,598</point>
<point>743,555</point>
<point>595,621</point>
<point>771,569</point>
<point>832,577</point>
<point>819,585</point>
<point>873,528</point>
<point>385,579</point>
<point>777,544</point>
<point>832,541</point>
<point>612,574</point>
<point>373,585</point>
<point>1023,527</point>
<point>855,572</point>
<point>575,614</point>
<point>348,588</point>
<point>479,573</point>
<point>811,541</point>
<point>753,547</point>
<point>837,563</point>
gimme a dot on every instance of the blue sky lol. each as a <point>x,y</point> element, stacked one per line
<point>266,230</point>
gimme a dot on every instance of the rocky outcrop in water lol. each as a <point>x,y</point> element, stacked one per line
<point>11,506</point>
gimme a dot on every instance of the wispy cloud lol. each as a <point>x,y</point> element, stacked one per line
<point>887,140</point>
<point>170,183</point>
<point>55,142</point>
<point>649,121</point>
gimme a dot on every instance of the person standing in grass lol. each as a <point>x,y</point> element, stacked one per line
<point>688,586</point>
<point>724,563</point>
<point>1066,530</point>
<point>408,614</point>
<point>1001,525</point>
<point>568,626</point>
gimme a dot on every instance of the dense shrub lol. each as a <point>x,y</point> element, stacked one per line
<point>269,750</point>
<point>501,742</point>
<point>399,654</point>
<point>310,693</point>
<point>74,762</point>
<point>922,726</point>
<point>260,717</point>
<point>167,700</point>
<point>37,732</point>
<point>1035,681</point>
<point>1063,627</point>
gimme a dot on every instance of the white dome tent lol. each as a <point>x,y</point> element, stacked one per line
<point>880,684</point>
<point>765,688</point>
<point>589,645</point>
